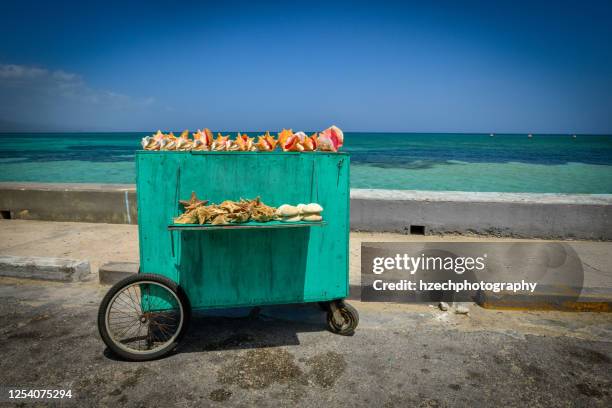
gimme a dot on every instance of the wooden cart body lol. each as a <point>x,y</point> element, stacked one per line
<point>256,263</point>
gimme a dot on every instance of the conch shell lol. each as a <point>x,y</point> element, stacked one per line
<point>152,142</point>
<point>243,143</point>
<point>266,143</point>
<point>168,142</point>
<point>311,212</point>
<point>310,143</point>
<point>287,210</point>
<point>297,142</point>
<point>288,141</point>
<point>305,212</point>
<point>291,143</point>
<point>202,140</point>
<point>183,142</point>
<point>146,141</point>
<point>331,139</point>
<point>221,143</point>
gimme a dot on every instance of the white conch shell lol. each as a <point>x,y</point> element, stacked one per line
<point>301,136</point>
<point>287,210</point>
<point>145,141</point>
<point>168,144</point>
<point>292,219</point>
<point>312,208</point>
<point>312,217</point>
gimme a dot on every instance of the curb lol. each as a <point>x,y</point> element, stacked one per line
<point>54,269</point>
<point>590,300</point>
<point>112,272</point>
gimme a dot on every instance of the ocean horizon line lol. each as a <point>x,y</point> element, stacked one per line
<point>308,131</point>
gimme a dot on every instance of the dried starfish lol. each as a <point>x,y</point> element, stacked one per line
<point>196,211</point>
<point>189,217</point>
<point>193,202</point>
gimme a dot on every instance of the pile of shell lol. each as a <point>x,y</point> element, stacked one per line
<point>198,212</point>
<point>328,140</point>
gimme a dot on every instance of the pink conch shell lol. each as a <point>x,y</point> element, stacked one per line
<point>331,139</point>
<point>202,140</point>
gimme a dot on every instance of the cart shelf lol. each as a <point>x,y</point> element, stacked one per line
<point>246,225</point>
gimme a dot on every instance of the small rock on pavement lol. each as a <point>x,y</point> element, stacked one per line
<point>443,306</point>
<point>462,310</point>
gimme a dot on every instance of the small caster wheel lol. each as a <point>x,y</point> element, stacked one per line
<point>342,318</point>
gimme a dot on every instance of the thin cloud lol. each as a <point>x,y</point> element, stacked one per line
<point>39,95</point>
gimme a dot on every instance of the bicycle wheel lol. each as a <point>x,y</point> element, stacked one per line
<point>143,317</point>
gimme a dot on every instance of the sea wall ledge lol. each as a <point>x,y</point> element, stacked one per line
<point>109,203</point>
<point>525,215</point>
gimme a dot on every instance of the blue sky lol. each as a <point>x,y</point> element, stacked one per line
<point>448,66</point>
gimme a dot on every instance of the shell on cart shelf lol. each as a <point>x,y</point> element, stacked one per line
<point>287,210</point>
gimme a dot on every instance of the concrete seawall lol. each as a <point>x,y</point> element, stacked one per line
<point>523,215</point>
<point>109,203</point>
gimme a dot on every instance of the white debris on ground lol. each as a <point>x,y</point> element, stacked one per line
<point>461,309</point>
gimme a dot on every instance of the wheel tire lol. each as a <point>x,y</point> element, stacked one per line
<point>351,320</point>
<point>115,289</point>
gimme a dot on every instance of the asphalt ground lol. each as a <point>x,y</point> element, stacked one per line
<point>400,355</point>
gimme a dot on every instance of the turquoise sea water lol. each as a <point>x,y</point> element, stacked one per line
<point>460,162</point>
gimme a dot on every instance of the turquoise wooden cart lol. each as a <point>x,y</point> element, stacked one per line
<point>185,267</point>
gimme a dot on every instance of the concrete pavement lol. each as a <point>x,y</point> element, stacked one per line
<point>101,243</point>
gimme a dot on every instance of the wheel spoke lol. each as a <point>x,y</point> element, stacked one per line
<point>143,319</point>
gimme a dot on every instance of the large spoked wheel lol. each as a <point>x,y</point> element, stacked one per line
<point>342,318</point>
<point>143,317</point>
